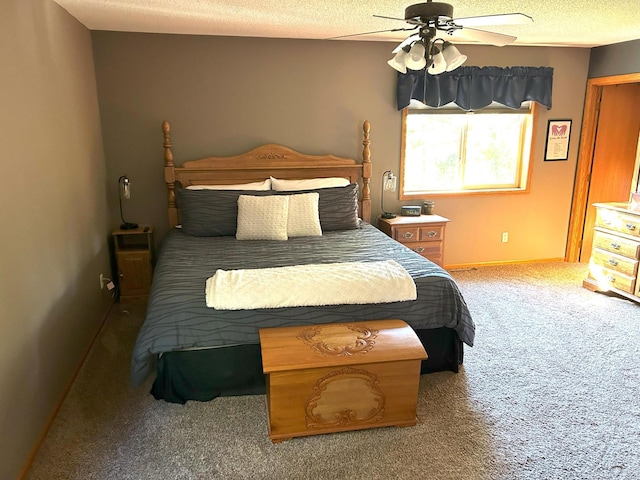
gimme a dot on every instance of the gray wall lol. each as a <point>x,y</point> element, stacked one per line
<point>227,95</point>
<point>616,59</point>
<point>54,221</point>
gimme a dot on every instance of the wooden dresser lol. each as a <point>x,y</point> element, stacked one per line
<point>616,250</point>
<point>423,234</point>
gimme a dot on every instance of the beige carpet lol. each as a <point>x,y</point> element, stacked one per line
<point>550,391</point>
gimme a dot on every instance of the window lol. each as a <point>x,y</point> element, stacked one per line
<point>451,151</point>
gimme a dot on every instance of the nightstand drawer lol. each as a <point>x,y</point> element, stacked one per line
<point>430,250</point>
<point>407,234</point>
<point>616,244</point>
<point>431,233</point>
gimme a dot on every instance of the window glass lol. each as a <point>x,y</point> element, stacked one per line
<point>451,151</point>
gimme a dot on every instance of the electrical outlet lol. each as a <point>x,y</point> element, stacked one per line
<point>505,237</point>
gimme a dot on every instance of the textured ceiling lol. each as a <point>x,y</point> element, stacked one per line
<point>582,23</point>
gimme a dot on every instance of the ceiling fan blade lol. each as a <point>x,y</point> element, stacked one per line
<point>371,33</point>
<point>407,41</point>
<point>500,19</point>
<point>411,21</point>
<point>472,34</point>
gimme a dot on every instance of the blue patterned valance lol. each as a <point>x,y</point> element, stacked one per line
<point>473,88</point>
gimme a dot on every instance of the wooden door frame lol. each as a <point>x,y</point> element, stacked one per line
<point>585,159</point>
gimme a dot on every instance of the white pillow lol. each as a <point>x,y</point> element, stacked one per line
<point>307,184</point>
<point>304,219</point>
<point>262,218</point>
<point>265,185</point>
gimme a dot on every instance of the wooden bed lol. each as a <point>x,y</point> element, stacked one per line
<point>200,365</point>
<point>261,163</point>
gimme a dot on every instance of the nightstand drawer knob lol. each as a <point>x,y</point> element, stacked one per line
<point>418,249</point>
<point>613,262</point>
<point>407,235</point>
<point>630,226</point>
<point>432,233</point>
<point>615,245</point>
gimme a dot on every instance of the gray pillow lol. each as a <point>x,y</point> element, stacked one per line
<point>337,207</point>
<point>211,213</point>
<point>214,213</point>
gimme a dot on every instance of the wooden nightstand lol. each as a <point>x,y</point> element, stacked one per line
<point>133,250</point>
<point>423,234</point>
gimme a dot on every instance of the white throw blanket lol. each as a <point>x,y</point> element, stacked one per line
<point>307,285</point>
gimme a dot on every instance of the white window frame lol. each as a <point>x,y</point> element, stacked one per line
<point>525,165</point>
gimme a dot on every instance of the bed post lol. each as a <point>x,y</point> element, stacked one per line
<point>169,176</point>
<point>366,174</point>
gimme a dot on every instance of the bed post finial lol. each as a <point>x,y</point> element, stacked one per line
<point>169,175</point>
<point>366,173</point>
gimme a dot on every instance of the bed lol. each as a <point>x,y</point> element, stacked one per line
<point>199,353</point>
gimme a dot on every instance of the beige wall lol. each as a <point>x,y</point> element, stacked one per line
<point>226,95</point>
<point>54,222</point>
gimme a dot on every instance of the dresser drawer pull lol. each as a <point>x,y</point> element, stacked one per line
<point>615,245</point>
<point>418,249</point>
<point>611,279</point>
<point>606,221</point>
<point>407,235</point>
<point>613,262</point>
<point>432,233</point>
<point>630,226</point>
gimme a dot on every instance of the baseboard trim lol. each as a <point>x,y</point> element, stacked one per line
<point>36,447</point>
<point>468,266</point>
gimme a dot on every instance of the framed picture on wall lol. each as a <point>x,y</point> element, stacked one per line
<point>557,146</point>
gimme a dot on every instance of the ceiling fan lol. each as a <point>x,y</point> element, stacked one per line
<point>434,22</point>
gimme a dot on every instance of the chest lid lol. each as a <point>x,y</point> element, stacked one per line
<point>338,344</point>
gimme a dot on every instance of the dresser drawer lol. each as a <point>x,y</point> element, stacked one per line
<point>619,222</point>
<point>615,244</point>
<point>613,279</point>
<point>615,262</point>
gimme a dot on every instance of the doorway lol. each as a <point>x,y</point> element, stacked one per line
<point>607,164</point>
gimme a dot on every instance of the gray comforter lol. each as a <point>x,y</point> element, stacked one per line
<point>178,318</point>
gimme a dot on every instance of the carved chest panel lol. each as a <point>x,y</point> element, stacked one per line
<point>338,377</point>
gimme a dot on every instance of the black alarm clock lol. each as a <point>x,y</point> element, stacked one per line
<point>410,210</point>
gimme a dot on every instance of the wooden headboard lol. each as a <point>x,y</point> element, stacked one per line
<point>261,163</point>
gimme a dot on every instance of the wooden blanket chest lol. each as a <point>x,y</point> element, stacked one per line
<point>337,377</point>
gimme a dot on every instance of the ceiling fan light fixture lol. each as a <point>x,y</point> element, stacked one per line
<point>452,56</point>
<point>438,63</point>
<point>416,59</point>
<point>399,60</point>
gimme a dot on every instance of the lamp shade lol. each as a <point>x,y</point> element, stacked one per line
<point>388,184</point>
<point>438,63</point>
<point>452,56</point>
<point>416,59</point>
<point>398,62</point>
<point>124,191</point>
